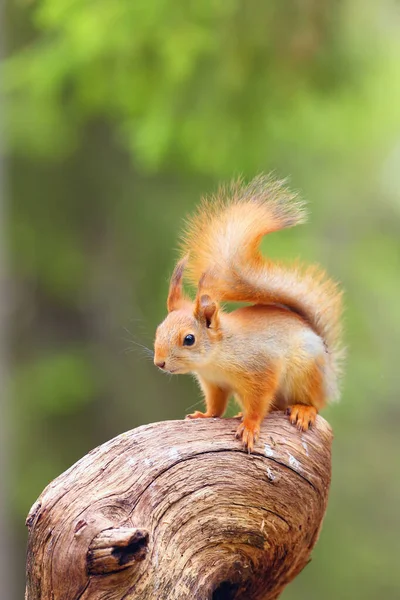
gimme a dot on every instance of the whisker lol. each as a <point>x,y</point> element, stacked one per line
<point>143,351</point>
<point>128,331</point>
<point>139,324</point>
<point>129,350</point>
<point>140,351</point>
<point>145,348</point>
<point>193,405</point>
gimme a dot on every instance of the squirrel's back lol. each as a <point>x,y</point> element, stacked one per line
<point>222,243</point>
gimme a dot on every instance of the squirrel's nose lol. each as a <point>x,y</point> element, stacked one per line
<point>160,364</point>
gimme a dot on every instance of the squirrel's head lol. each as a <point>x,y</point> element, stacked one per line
<point>184,340</point>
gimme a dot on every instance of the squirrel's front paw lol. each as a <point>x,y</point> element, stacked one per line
<point>248,432</point>
<point>199,415</point>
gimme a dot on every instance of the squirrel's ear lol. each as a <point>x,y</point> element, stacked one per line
<point>175,295</point>
<point>207,310</point>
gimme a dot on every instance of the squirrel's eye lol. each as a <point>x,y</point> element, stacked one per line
<point>189,340</point>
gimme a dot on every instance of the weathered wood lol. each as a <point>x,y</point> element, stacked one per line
<point>178,510</point>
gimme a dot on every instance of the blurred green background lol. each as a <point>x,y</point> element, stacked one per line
<point>119,116</point>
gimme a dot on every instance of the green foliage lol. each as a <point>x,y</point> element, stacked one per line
<point>56,384</point>
<point>218,87</point>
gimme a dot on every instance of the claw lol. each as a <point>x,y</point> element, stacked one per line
<point>248,432</point>
<point>302,416</point>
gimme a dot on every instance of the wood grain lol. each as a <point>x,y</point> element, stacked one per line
<point>178,510</point>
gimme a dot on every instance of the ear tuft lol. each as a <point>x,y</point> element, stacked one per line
<point>175,295</point>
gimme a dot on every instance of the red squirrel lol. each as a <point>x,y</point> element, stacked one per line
<point>283,351</point>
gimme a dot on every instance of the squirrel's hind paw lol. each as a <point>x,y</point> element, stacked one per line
<point>302,416</point>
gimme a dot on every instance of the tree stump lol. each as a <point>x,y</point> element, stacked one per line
<point>177,510</point>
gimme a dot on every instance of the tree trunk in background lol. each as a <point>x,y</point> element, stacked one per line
<point>178,510</point>
<point>6,549</point>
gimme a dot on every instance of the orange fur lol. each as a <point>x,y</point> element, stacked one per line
<point>285,349</point>
<point>216,400</point>
<point>302,416</point>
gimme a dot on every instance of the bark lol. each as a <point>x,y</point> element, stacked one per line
<point>178,510</point>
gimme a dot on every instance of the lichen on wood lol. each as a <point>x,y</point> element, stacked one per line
<point>178,510</point>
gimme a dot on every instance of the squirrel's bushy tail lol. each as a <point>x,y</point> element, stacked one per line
<point>222,240</point>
